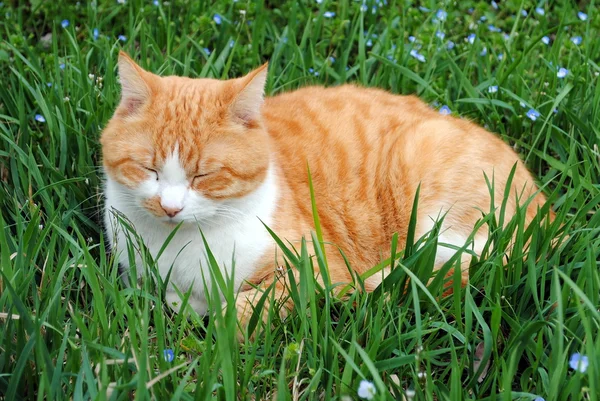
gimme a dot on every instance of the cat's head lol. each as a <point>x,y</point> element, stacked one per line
<point>179,148</point>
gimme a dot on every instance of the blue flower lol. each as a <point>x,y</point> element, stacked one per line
<point>95,33</point>
<point>168,355</point>
<point>493,89</point>
<point>328,14</point>
<point>533,114</point>
<point>441,35</point>
<point>483,52</point>
<point>471,38</point>
<point>540,11</point>
<point>331,59</point>
<point>122,38</point>
<point>546,40</point>
<point>217,19</point>
<point>500,56</point>
<point>424,9</point>
<point>494,5</point>
<point>562,72</point>
<point>369,43</point>
<point>207,51</point>
<point>483,18</point>
<point>576,40</point>
<point>524,13</point>
<point>445,110</point>
<point>411,39</point>
<point>492,28</point>
<point>319,1</point>
<point>121,1</point>
<point>538,399</point>
<point>366,390</point>
<point>61,66</point>
<point>582,16</point>
<point>65,23</point>
<point>579,362</point>
<point>418,56</point>
<point>506,36</point>
<point>156,3</point>
<point>231,43</point>
<point>450,45</point>
<point>49,84</point>
<point>40,118</point>
<point>364,8</point>
<point>441,15</point>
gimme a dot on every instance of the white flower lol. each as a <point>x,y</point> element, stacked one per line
<point>366,390</point>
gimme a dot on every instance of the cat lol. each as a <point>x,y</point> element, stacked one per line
<point>218,155</point>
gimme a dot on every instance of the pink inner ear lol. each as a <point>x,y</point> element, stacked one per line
<point>130,105</point>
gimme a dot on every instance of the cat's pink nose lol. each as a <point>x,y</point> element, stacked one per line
<point>171,211</point>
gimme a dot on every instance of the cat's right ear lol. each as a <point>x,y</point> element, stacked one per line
<point>135,88</point>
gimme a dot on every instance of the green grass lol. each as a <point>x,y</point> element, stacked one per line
<point>69,329</point>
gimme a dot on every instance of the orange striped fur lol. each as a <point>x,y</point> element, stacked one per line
<point>368,151</point>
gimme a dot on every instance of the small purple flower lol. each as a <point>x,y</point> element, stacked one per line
<point>65,23</point>
<point>579,362</point>
<point>576,40</point>
<point>122,38</point>
<point>562,72</point>
<point>40,118</point>
<point>217,18</point>
<point>450,45</point>
<point>471,38</point>
<point>533,114</point>
<point>169,355</point>
<point>441,15</point>
<point>95,33</point>
<point>546,40</point>
<point>540,11</point>
<point>328,14</point>
<point>582,16</point>
<point>493,89</point>
<point>445,110</point>
<point>440,35</point>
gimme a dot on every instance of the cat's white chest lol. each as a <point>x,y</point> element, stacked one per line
<point>243,239</point>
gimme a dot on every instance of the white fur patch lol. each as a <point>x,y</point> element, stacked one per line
<point>228,226</point>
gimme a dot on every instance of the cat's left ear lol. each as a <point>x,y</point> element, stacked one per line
<point>250,97</point>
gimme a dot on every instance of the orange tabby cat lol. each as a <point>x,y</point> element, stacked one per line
<point>218,155</point>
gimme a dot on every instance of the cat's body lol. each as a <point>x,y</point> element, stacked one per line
<point>225,160</point>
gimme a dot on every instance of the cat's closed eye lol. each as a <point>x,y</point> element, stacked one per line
<point>151,170</point>
<point>200,176</point>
